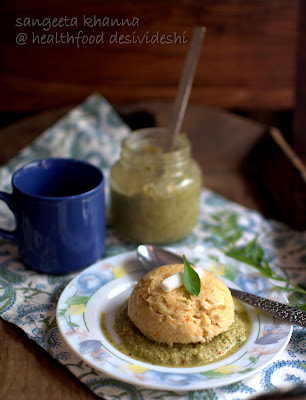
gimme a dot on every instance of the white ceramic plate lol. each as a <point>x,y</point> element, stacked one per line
<point>104,286</point>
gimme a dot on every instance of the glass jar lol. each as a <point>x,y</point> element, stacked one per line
<point>155,195</point>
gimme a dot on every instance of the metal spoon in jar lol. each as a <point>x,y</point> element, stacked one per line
<point>154,256</point>
<point>185,85</point>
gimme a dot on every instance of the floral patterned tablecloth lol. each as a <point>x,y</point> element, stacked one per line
<point>93,132</point>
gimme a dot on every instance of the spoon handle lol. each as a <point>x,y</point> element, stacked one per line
<point>185,83</point>
<point>279,310</point>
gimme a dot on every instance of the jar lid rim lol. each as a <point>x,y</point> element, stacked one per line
<point>182,143</point>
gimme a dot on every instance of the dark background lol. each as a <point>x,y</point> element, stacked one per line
<point>252,62</point>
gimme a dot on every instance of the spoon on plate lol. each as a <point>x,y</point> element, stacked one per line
<point>154,256</point>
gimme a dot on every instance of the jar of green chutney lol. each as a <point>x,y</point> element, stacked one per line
<point>155,194</point>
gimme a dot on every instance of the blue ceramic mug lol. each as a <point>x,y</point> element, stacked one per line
<point>59,209</point>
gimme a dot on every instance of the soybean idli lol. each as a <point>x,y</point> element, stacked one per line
<point>178,316</point>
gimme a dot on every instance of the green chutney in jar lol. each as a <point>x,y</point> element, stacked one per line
<point>155,194</point>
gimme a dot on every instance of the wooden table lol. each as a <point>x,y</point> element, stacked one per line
<point>221,143</point>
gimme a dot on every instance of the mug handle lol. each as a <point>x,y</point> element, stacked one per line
<point>8,199</point>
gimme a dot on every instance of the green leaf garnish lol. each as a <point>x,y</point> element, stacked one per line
<point>191,279</point>
<point>228,231</point>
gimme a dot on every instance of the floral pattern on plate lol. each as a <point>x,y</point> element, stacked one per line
<point>104,286</point>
